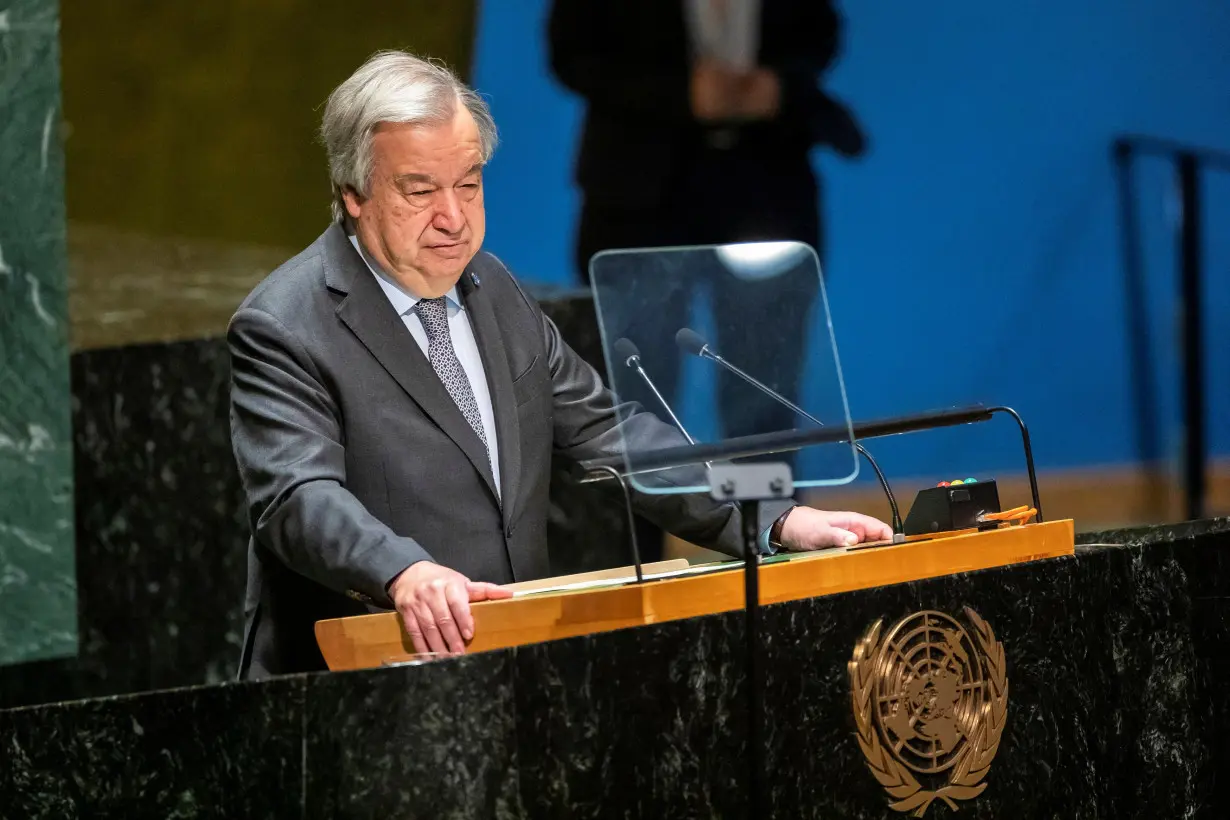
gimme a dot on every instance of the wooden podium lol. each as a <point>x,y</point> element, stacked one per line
<point>599,602</point>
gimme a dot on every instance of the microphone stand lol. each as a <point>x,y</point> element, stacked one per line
<point>705,353</point>
<point>623,485</point>
<point>1029,456</point>
<point>634,362</point>
<point>751,641</point>
<point>746,485</point>
<point>632,358</point>
<point>752,483</point>
<point>760,444</point>
<point>749,485</point>
<point>898,525</point>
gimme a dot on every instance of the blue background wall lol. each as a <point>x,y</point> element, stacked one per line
<point>974,251</point>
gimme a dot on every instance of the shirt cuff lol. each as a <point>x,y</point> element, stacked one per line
<point>763,542</point>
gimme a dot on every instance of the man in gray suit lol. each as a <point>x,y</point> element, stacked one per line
<point>396,395</point>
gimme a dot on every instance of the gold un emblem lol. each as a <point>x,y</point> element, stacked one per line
<point>930,703</point>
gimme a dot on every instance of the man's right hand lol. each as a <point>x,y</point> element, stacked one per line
<point>434,603</point>
<point>721,94</point>
<point>712,92</point>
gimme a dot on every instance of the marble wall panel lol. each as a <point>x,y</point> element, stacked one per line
<point>37,583</point>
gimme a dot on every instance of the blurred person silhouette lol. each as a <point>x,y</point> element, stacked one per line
<point>700,118</point>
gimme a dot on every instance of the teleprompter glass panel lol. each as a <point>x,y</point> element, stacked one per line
<point>729,344</point>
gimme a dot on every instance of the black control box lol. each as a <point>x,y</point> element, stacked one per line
<point>953,507</point>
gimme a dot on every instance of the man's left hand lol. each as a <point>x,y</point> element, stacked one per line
<point>760,95</point>
<point>811,529</point>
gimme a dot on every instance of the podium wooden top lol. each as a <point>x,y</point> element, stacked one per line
<point>373,640</point>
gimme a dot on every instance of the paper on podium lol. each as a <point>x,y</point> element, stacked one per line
<point>678,568</point>
<point>630,578</point>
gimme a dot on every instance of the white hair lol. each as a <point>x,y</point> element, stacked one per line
<point>392,86</point>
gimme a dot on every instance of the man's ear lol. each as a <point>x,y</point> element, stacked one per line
<point>354,204</point>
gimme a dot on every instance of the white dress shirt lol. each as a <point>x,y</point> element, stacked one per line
<point>464,344</point>
<point>726,31</point>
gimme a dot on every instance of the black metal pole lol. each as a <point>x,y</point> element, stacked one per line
<point>1136,311</point>
<point>1192,334</point>
<point>755,694</point>
<point>1029,458</point>
<point>636,550</point>
<point>760,444</point>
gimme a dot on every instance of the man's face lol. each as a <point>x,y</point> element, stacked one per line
<point>423,217</point>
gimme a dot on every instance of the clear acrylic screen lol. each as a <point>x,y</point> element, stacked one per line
<point>758,306</point>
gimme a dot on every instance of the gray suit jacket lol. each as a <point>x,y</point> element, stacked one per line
<point>356,462</point>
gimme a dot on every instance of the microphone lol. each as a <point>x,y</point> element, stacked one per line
<point>626,350</point>
<point>689,341</point>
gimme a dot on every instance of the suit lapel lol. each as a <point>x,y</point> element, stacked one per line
<point>499,380</point>
<point>368,314</point>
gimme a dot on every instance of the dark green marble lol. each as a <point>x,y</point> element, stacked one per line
<point>38,611</point>
<point>225,752</point>
<point>1116,659</point>
<point>460,715</point>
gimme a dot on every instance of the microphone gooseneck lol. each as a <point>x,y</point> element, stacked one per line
<point>692,342</point>
<point>625,349</point>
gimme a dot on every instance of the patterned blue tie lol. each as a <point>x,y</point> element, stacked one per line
<point>433,313</point>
